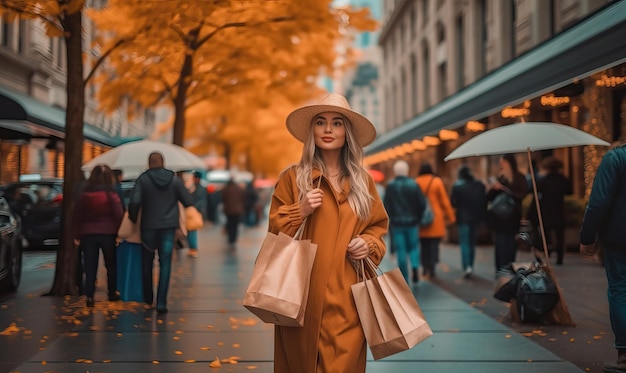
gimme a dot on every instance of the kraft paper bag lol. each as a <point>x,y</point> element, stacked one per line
<point>279,287</point>
<point>390,316</point>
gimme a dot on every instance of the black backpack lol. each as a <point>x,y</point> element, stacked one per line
<point>536,294</point>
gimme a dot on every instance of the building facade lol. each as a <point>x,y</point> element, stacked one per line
<point>33,101</point>
<point>453,68</point>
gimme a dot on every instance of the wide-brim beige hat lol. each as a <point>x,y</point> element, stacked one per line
<point>299,122</point>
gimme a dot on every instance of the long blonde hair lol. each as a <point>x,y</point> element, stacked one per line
<point>359,198</point>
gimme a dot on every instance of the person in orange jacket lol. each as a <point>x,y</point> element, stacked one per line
<point>430,236</point>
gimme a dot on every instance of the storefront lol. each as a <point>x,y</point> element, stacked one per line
<point>32,134</point>
<point>576,78</point>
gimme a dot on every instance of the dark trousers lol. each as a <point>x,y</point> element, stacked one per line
<point>90,245</point>
<point>430,254</point>
<point>232,227</point>
<point>161,240</point>
<point>506,248</point>
<point>615,266</point>
<point>559,234</point>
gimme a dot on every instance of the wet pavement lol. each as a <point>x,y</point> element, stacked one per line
<point>206,322</point>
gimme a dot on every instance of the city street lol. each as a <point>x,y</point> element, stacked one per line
<point>206,322</point>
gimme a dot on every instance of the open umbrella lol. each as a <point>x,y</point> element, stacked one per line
<point>132,158</point>
<point>528,137</point>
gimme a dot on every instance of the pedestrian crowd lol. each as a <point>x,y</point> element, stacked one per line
<point>329,190</point>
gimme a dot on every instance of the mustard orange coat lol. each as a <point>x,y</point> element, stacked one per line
<point>331,339</point>
<point>440,203</point>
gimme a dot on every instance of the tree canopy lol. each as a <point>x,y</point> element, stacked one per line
<point>231,69</point>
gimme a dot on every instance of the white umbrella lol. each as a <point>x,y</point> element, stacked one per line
<point>524,137</point>
<point>132,158</point>
<point>527,137</point>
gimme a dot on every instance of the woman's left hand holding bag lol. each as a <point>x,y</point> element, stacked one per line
<point>358,249</point>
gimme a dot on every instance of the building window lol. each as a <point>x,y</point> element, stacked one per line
<point>6,34</point>
<point>513,28</point>
<point>22,36</point>
<point>460,53</point>
<point>484,36</point>
<point>426,75</point>
<point>414,79</point>
<point>443,80</point>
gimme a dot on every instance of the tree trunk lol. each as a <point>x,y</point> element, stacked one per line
<point>179,103</point>
<point>66,276</point>
<point>184,80</point>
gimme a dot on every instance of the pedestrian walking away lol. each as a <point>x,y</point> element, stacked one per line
<point>156,194</point>
<point>200,198</point>
<point>552,187</point>
<point>345,218</point>
<point>470,203</point>
<point>98,215</point>
<point>405,202</point>
<point>604,218</point>
<point>233,204</point>
<point>509,183</point>
<point>431,235</point>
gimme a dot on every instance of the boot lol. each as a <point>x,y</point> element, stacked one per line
<point>415,276</point>
<point>619,366</point>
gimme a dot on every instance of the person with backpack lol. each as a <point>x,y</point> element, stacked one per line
<point>405,202</point>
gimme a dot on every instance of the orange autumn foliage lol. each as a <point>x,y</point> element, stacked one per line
<point>229,71</point>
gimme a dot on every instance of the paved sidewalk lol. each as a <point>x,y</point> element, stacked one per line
<point>206,321</point>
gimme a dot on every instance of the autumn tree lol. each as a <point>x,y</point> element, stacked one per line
<point>64,18</point>
<point>222,58</point>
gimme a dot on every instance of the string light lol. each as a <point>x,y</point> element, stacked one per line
<point>446,135</point>
<point>610,81</point>
<point>474,126</point>
<point>553,101</point>
<point>418,145</point>
<point>431,140</point>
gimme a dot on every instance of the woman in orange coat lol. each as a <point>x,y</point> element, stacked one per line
<point>431,235</point>
<point>345,218</point>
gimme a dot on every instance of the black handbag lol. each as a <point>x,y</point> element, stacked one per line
<point>502,206</point>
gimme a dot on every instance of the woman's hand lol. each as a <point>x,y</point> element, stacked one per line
<point>311,201</point>
<point>358,249</point>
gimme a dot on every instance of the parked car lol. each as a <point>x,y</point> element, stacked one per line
<point>10,248</point>
<point>38,204</point>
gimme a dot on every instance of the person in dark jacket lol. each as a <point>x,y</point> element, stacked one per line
<point>469,200</point>
<point>99,213</point>
<point>233,204</point>
<point>157,193</point>
<point>604,218</point>
<point>405,202</point>
<point>552,187</point>
<point>512,182</point>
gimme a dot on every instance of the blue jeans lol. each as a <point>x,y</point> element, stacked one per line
<point>506,248</point>
<point>615,266</point>
<point>405,242</point>
<point>192,238</point>
<point>467,241</point>
<point>161,240</point>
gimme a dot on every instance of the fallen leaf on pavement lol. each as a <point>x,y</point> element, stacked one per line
<point>11,329</point>
<point>216,363</point>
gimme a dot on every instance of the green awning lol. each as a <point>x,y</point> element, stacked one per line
<point>22,114</point>
<point>596,43</point>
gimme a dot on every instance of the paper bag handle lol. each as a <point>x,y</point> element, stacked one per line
<point>370,264</point>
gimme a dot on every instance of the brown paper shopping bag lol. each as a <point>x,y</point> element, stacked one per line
<point>279,287</point>
<point>391,318</point>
